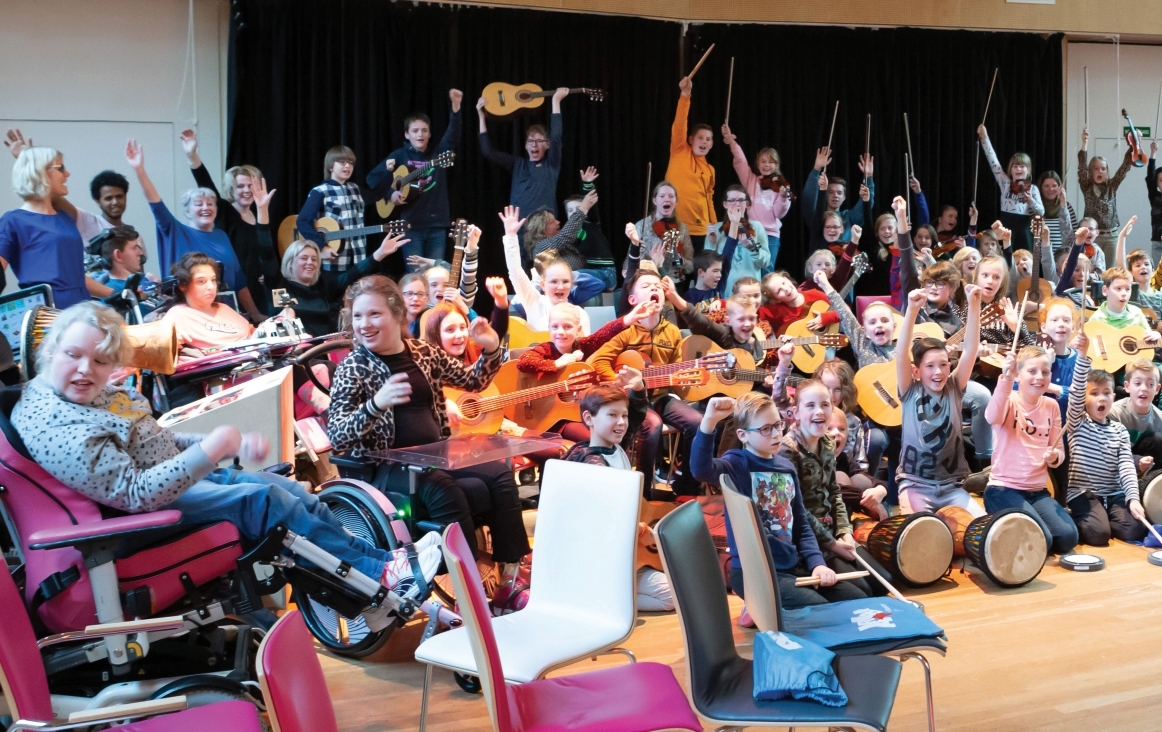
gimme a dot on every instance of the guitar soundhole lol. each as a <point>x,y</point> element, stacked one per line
<point>568,397</point>
<point>1129,345</point>
<point>524,95</point>
<point>470,410</point>
<point>728,376</point>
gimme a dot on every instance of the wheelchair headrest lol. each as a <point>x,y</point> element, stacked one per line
<point>8,398</point>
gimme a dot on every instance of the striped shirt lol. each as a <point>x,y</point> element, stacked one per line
<point>1100,460</point>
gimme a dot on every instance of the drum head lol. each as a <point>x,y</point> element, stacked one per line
<point>1082,562</point>
<point>1155,558</point>
<point>1152,499</point>
<point>958,520</point>
<point>1014,549</point>
<point>924,550</point>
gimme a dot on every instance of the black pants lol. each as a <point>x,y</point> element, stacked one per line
<point>698,243</point>
<point>487,492</point>
<point>793,597</point>
<point>1098,518</point>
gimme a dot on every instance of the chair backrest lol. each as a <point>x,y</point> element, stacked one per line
<point>758,571</point>
<point>587,527</point>
<point>35,500</point>
<point>599,315</point>
<point>691,564</point>
<point>21,670</point>
<point>292,679</point>
<point>473,607</point>
<point>863,301</point>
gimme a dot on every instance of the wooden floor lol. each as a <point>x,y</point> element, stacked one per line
<point>1069,651</point>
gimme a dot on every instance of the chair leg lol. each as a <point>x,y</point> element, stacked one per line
<point>424,703</point>
<point>624,651</point>
<point>927,684</point>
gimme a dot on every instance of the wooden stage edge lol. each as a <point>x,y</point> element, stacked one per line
<point>1068,651</point>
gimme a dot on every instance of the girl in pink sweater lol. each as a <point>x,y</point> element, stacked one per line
<point>769,202</point>
<point>1026,443</point>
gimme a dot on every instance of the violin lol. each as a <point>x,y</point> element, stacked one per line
<point>661,226</point>
<point>1134,140</point>
<point>1019,187</point>
<point>776,182</point>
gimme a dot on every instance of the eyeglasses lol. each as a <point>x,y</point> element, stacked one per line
<point>736,200</point>
<point>60,167</point>
<point>833,227</point>
<point>537,141</point>
<point>767,429</point>
<point>415,295</point>
<point>936,285</point>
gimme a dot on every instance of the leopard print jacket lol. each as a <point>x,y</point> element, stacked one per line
<point>355,423</point>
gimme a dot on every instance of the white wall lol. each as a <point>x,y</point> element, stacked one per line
<point>1136,89</point>
<point>84,76</point>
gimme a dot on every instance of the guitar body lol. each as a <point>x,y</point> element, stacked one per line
<point>1041,294</point>
<point>539,415</point>
<point>1112,348</point>
<point>809,358</point>
<point>288,231</point>
<point>879,393</point>
<point>385,206</point>
<point>919,330</point>
<point>721,383</point>
<point>501,99</point>
<point>521,335</point>
<point>472,420</point>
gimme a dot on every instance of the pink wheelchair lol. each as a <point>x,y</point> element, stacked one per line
<point>77,566</point>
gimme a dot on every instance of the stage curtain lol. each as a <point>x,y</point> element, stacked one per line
<point>311,74</point>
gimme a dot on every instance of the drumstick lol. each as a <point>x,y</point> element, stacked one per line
<point>887,585</point>
<point>990,99</point>
<point>812,581</point>
<point>729,90</point>
<point>1085,70</point>
<point>1149,526</point>
<point>699,64</point>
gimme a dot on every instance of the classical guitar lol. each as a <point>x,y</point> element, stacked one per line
<point>333,233</point>
<point>878,385</point>
<point>859,267</point>
<point>1112,348</point>
<point>522,335</point>
<point>809,356</point>
<point>501,99</point>
<point>402,180</point>
<point>1038,288</point>
<point>537,406</point>
<point>692,372</point>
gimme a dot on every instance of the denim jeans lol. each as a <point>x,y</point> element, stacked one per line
<point>257,502</point>
<point>773,248</point>
<point>430,243</point>
<point>1060,531</point>
<point>976,400</point>
<point>607,275</point>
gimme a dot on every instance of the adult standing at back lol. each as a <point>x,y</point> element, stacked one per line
<point>534,179</point>
<point>426,208</point>
<point>689,171</point>
<point>238,217</point>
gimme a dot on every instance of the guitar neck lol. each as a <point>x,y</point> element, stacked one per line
<point>494,403</point>
<point>776,343</point>
<point>666,370</point>
<point>457,260</point>
<point>352,233</point>
<point>550,92</point>
<point>849,285</point>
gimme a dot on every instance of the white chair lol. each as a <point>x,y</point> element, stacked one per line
<point>599,315</point>
<point>582,600</point>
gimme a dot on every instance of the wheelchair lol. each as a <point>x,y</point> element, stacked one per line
<point>79,564</point>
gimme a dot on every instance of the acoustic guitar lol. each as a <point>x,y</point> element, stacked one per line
<point>501,99</point>
<point>1035,286</point>
<point>522,335</point>
<point>808,357</point>
<point>333,233</point>
<point>739,380</point>
<point>692,372</point>
<point>1112,348</point>
<point>535,403</point>
<point>402,179</point>
<point>651,513</point>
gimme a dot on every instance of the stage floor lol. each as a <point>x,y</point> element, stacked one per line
<point>1068,651</point>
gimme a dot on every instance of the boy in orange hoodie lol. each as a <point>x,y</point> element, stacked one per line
<point>689,171</point>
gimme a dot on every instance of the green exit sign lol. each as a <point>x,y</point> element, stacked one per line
<point>1143,131</point>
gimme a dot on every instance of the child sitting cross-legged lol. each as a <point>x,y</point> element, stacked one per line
<point>1103,481</point>
<point>757,471</point>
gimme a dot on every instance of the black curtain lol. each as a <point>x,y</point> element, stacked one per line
<point>311,74</point>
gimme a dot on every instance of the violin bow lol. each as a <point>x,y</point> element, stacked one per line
<point>911,155</point>
<point>646,215</point>
<point>867,141</point>
<point>1158,114</point>
<point>1085,70</point>
<point>990,99</point>
<point>729,90</point>
<point>831,135</point>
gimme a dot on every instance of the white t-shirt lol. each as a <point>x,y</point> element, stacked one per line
<point>90,225</point>
<point>618,459</point>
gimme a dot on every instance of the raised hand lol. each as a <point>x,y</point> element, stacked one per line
<point>823,283</point>
<point>631,378</point>
<point>982,133</point>
<point>561,93</point>
<point>719,408</point>
<point>822,181</point>
<point>1012,318</point>
<point>727,135</point>
<point>1009,369</point>
<point>499,291</point>
<point>480,105</point>
<point>261,195</point>
<point>589,174</point>
<point>631,233</point>
<point>456,96</point>
<point>972,293</point>
<point>472,243</point>
<point>395,391</point>
<point>914,184</point>
<point>867,165</point>
<point>1153,147</point>
<point>387,247</point>
<point>917,298</point>
<point>685,85</point>
<point>856,233</point>
<point>864,193</point>
<point>15,142</point>
<point>134,154</point>
<point>972,215</point>
<point>1084,137</point>
<point>415,261</point>
<point>822,158</point>
<point>189,140</point>
<point>1005,235</point>
<point>785,354</point>
<point>511,219</point>
<point>1080,341</point>
<point>1128,227</point>
<point>484,335</point>
<point>589,201</point>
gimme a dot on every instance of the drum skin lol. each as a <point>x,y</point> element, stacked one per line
<point>1151,489</point>
<point>958,520</point>
<point>1008,546</point>
<point>917,548</point>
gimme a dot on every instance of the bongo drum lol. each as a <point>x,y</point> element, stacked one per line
<point>916,548</point>
<point>33,328</point>
<point>860,530</point>
<point>958,520</point>
<point>1008,546</point>
<point>1150,487</point>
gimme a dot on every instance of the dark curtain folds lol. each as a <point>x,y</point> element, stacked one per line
<point>311,74</point>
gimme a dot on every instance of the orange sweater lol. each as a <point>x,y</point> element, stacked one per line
<point>692,176</point>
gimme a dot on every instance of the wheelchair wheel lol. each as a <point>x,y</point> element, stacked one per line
<point>470,684</point>
<point>201,691</point>
<point>361,516</point>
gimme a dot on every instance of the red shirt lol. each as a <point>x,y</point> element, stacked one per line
<point>779,315</point>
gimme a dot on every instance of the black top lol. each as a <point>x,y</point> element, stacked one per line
<point>415,421</point>
<point>427,204</point>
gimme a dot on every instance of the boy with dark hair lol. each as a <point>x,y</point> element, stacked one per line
<point>591,241</point>
<point>834,193</point>
<point>338,198</point>
<point>426,207</point>
<point>708,276</point>
<point>690,173</point>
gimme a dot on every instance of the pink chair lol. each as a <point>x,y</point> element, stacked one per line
<point>296,697</point>
<point>25,685</point>
<point>639,697</point>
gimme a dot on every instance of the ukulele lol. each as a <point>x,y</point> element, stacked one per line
<point>534,403</point>
<point>878,384</point>
<point>692,372</point>
<point>1112,348</point>
<point>1038,289</point>
<point>402,179</point>
<point>333,233</point>
<point>501,99</point>
<point>739,380</point>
